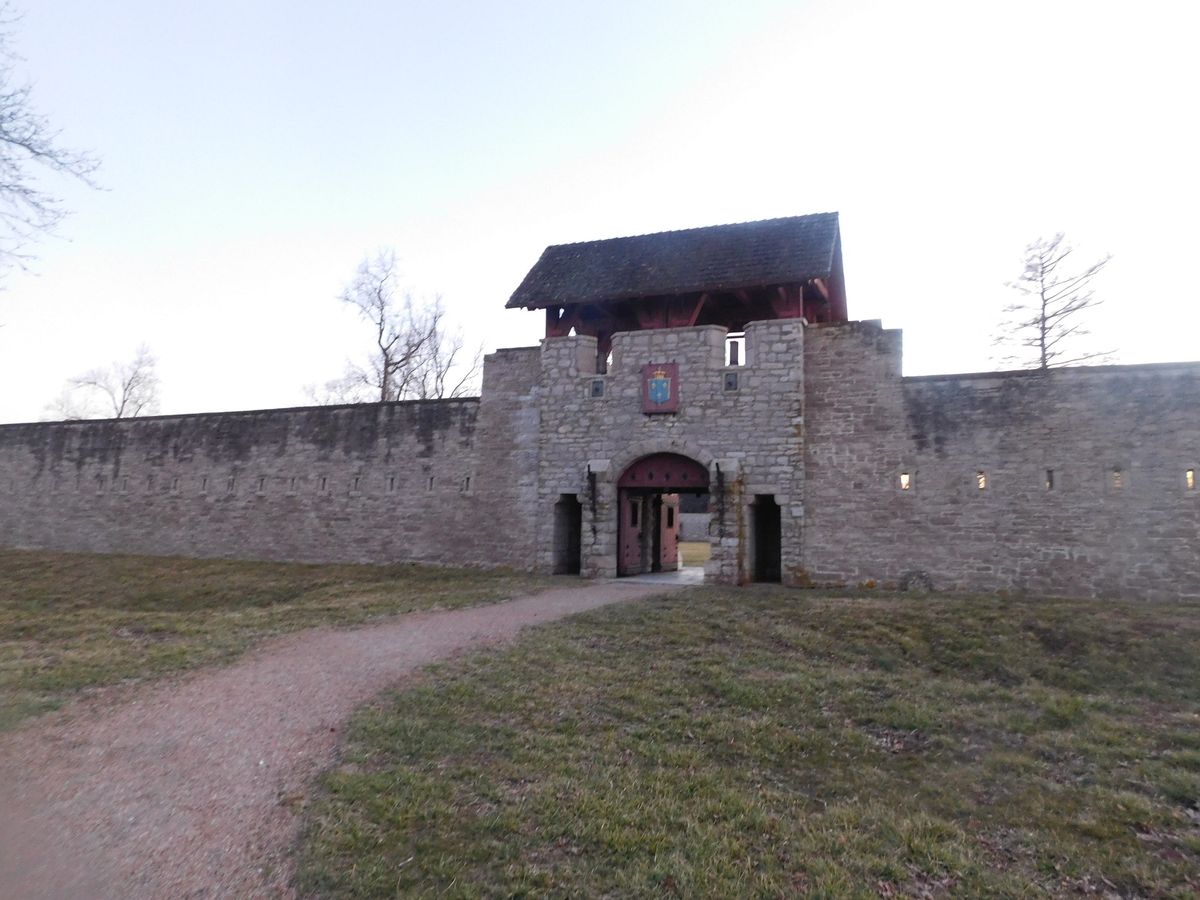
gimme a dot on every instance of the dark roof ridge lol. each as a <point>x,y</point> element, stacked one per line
<point>647,234</point>
<point>786,249</point>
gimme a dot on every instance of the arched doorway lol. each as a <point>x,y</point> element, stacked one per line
<point>649,522</point>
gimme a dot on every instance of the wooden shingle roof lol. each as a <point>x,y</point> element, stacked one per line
<point>716,258</point>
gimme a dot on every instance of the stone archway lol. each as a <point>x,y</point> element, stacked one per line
<point>648,522</point>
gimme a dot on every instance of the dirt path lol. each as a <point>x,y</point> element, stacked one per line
<point>191,788</point>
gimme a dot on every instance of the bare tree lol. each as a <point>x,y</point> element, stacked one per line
<point>119,391</point>
<point>1046,322</point>
<point>70,406</point>
<point>446,370</point>
<point>28,146</point>
<point>415,355</point>
<point>347,389</point>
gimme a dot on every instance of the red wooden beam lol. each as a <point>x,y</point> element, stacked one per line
<point>786,302</point>
<point>651,313</point>
<point>560,325</point>
<point>684,311</point>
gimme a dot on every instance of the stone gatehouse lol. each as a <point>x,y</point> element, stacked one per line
<point>712,369</point>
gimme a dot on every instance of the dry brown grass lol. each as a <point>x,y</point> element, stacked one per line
<point>74,621</point>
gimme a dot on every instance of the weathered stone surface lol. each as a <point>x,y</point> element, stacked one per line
<point>821,421</point>
<point>369,483</point>
<point>746,438</point>
<point>1088,533</point>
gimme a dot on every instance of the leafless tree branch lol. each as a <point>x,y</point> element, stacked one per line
<point>1044,322</point>
<point>415,355</point>
<point>29,147</point>
<point>121,391</point>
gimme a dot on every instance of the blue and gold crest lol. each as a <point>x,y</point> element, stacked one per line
<point>660,387</point>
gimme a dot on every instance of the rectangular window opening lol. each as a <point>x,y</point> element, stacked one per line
<point>905,481</point>
<point>1049,479</point>
<point>204,485</point>
<point>466,484</point>
<point>355,488</point>
<point>392,483</point>
<point>324,481</point>
<point>430,483</point>
<point>981,480</point>
<point>670,517</point>
<point>735,348</point>
<point>262,484</point>
<point>597,388</point>
<point>1118,480</point>
<point>731,381</point>
<point>1189,479</point>
<point>604,361</point>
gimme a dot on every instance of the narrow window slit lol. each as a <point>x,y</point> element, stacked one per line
<point>1049,479</point>
<point>735,349</point>
<point>905,481</point>
<point>981,480</point>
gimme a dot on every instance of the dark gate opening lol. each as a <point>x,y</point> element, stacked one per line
<point>649,494</point>
<point>568,535</point>
<point>768,551</point>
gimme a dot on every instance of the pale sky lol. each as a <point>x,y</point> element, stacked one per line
<point>254,151</point>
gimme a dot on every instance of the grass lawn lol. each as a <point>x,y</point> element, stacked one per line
<point>72,621</point>
<point>734,743</point>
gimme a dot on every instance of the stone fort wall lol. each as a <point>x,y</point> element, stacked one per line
<point>747,438</point>
<point>1084,477</point>
<point>370,483</point>
<point>1084,470</point>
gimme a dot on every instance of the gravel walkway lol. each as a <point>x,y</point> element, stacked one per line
<point>193,787</point>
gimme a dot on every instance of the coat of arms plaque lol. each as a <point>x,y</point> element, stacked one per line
<point>660,388</point>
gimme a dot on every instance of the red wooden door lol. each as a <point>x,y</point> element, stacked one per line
<point>668,525</point>
<point>629,534</point>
